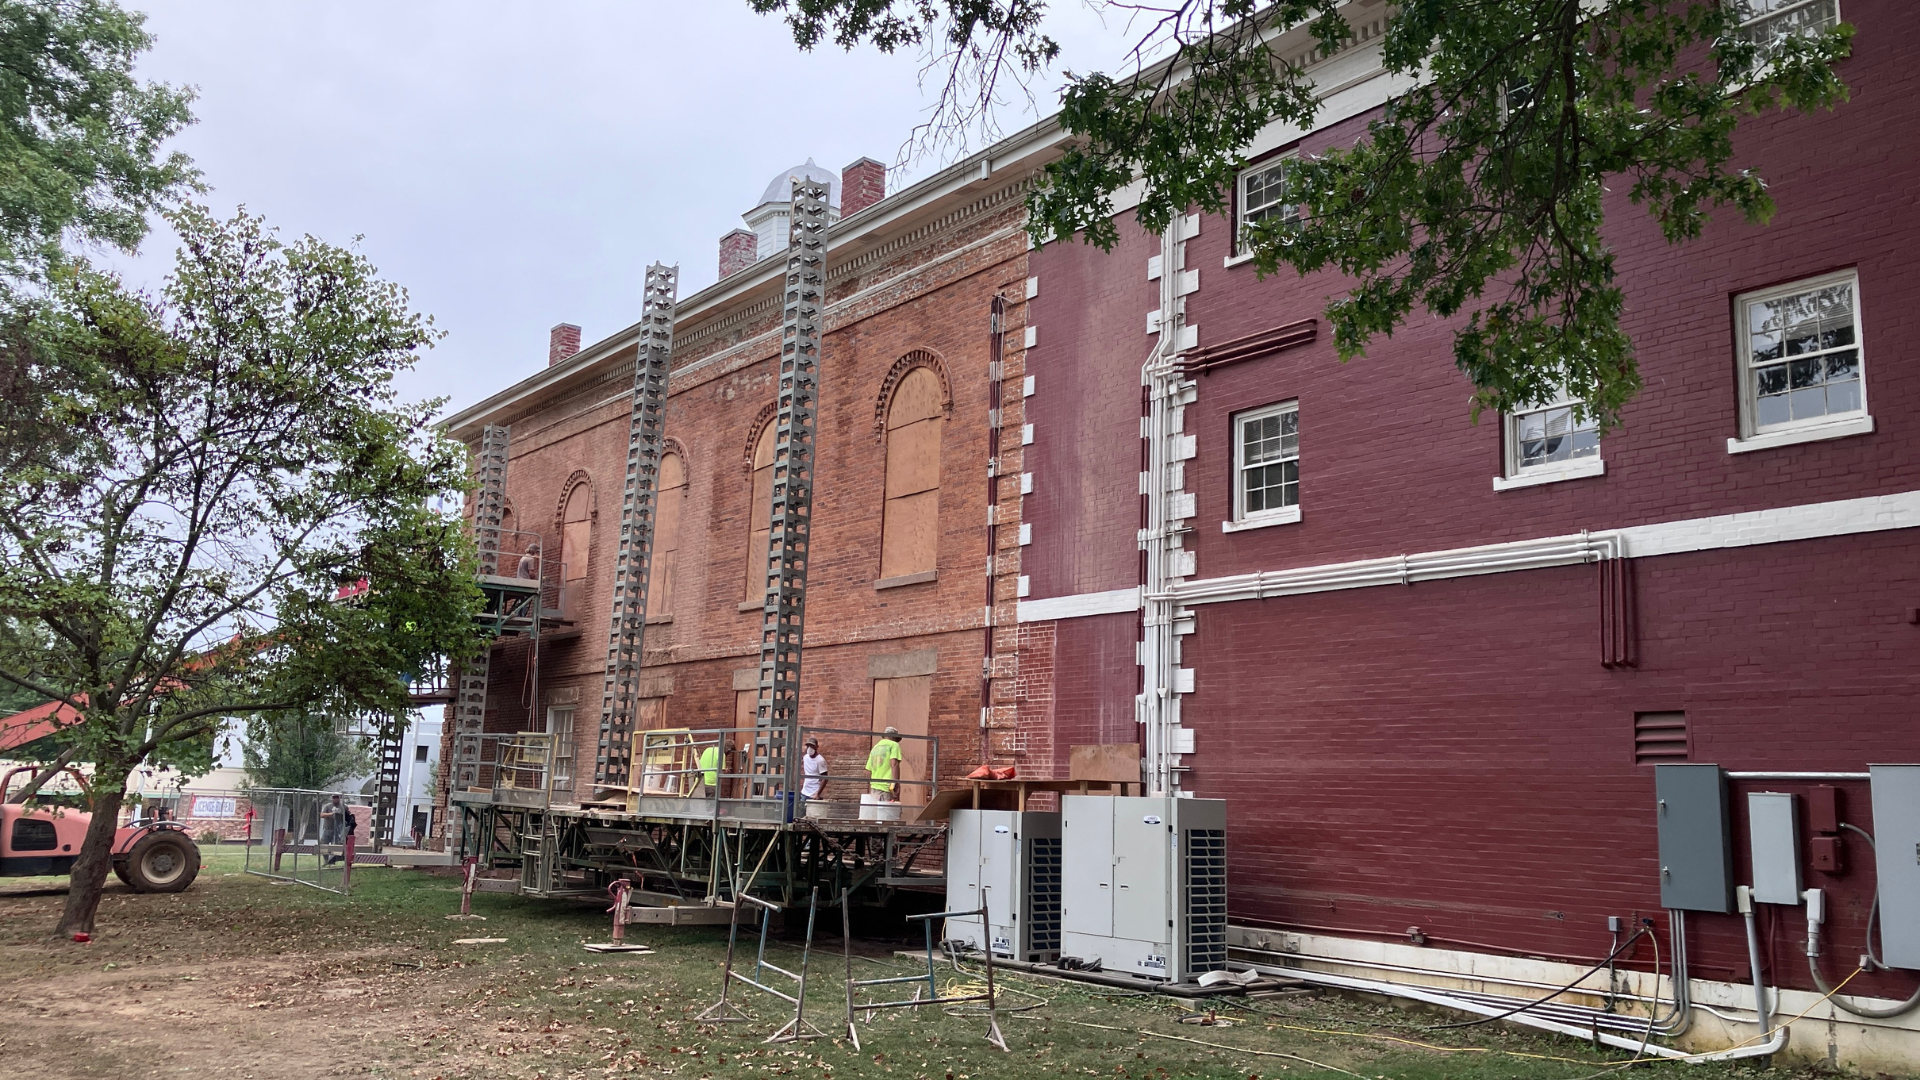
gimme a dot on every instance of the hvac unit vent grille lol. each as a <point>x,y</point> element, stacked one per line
<point>1659,738</point>
<point>1206,859</point>
<point>1043,897</point>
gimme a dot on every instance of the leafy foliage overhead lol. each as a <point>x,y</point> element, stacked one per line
<point>1480,192</point>
<point>80,137</point>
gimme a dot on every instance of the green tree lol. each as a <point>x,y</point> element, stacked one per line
<point>1479,192</point>
<point>81,138</point>
<point>232,455</point>
<point>300,750</point>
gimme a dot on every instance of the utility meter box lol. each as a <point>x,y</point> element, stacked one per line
<point>1144,884</point>
<point>1008,860</point>
<point>1896,854</point>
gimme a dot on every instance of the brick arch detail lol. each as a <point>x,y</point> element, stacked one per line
<point>764,417</point>
<point>579,476</point>
<point>915,358</point>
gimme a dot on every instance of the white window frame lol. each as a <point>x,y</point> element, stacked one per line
<point>1240,254</point>
<point>1830,426</point>
<point>560,746</point>
<point>1517,475</point>
<point>1749,28</point>
<point>1258,519</point>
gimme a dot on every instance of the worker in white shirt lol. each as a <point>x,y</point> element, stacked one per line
<point>814,765</point>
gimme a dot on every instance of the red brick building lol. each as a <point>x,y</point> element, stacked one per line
<point>1430,663</point>
<point>897,607</point>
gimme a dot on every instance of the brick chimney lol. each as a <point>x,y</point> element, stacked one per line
<point>862,184</point>
<point>739,249</point>
<point>562,341</point>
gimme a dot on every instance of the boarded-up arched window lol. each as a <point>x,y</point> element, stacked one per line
<point>910,528</point>
<point>760,514</point>
<point>666,535</point>
<point>576,540</point>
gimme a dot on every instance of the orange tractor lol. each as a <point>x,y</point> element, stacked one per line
<point>150,856</point>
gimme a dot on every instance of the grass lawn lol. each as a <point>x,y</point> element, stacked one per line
<point>244,977</point>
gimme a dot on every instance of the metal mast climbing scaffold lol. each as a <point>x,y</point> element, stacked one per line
<point>777,714</point>
<point>489,506</point>
<point>613,761</point>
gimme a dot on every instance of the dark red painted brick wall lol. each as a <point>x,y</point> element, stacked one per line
<point>1390,459</point>
<point>1452,755</point>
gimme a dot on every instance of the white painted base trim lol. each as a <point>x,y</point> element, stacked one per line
<point>1080,605</point>
<point>1767,440</point>
<point>1551,474</point>
<point>1842,517</point>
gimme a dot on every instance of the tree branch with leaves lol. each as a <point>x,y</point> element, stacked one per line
<point>1477,194</point>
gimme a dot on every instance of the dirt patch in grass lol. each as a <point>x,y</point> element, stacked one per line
<point>241,977</point>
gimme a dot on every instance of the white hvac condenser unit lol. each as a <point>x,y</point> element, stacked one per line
<point>1008,860</point>
<point>1144,884</point>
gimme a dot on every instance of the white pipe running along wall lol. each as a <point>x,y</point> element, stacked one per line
<point>1168,508</point>
<point>1773,1045</point>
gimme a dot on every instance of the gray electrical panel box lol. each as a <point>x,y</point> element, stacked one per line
<point>1144,884</point>
<point>1696,843</point>
<point>1773,839</point>
<point>1896,849</point>
<point>1009,861</point>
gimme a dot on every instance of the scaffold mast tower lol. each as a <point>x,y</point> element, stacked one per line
<point>613,760</point>
<point>777,715</point>
<point>489,507</point>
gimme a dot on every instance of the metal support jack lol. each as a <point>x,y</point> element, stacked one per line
<point>725,1011</point>
<point>622,891</point>
<point>933,988</point>
<point>466,893</point>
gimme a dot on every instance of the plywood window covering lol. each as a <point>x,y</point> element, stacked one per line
<point>666,535</point>
<point>576,541</point>
<point>1659,738</point>
<point>903,703</point>
<point>759,515</point>
<point>651,714</point>
<point>910,526</point>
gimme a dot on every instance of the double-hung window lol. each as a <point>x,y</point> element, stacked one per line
<point>1767,21</point>
<point>1263,194</point>
<point>1266,467</point>
<point>1549,443</point>
<point>1801,364</point>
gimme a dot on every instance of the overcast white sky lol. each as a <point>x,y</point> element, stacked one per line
<point>519,165</point>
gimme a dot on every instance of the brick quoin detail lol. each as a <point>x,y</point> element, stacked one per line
<point>862,184</point>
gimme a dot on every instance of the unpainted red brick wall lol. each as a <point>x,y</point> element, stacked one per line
<point>722,389</point>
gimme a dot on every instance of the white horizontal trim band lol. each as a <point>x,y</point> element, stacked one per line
<point>1812,521</point>
<point>1080,605</point>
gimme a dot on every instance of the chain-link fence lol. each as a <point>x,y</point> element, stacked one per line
<point>309,837</point>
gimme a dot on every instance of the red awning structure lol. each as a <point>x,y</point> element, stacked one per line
<point>32,725</point>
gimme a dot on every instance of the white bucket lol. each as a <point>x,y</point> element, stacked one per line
<point>817,808</point>
<point>877,807</point>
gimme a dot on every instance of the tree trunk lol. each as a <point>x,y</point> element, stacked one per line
<point>96,852</point>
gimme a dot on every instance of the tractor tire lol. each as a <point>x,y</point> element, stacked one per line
<point>120,871</point>
<point>163,861</point>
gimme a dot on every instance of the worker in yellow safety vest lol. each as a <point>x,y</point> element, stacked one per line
<point>710,760</point>
<point>883,765</point>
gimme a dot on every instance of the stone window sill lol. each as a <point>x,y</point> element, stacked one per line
<point>1286,516</point>
<point>1767,440</point>
<point>1551,474</point>
<point>659,620</point>
<point>906,579</point>
<point>753,605</point>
